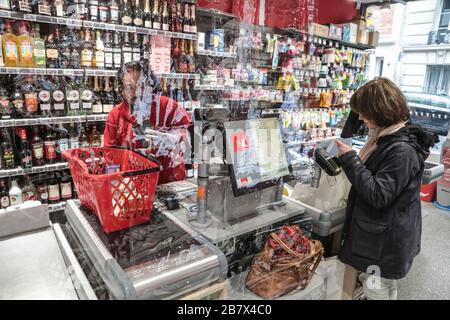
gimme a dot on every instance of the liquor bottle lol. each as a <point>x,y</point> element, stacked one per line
<point>180,19</point>
<point>6,109</point>
<point>183,61</point>
<point>41,190</point>
<point>7,155</point>
<point>138,15</point>
<point>73,140</point>
<point>37,147</point>
<point>86,95</point>
<point>87,50</point>
<point>66,187</point>
<point>18,102</point>
<point>165,17</point>
<point>156,17</point>
<point>145,53</point>
<point>83,9</point>
<point>4,195</point>
<point>117,52</point>
<point>22,6</point>
<point>25,155</point>
<point>193,21</point>
<point>83,139</point>
<point>117,92</point>
<point>103,11</point>
<point>127,14</point>
<point>29,192</point>
<point>38,48</point>
<point>109,54</point>
<point>52,49</point>
<point>5,4</point>
<point>147,15</point>
<point>191,58</point>
<point>54,194</point>
<point>30,93</point>
<point>114,13</point>
<point>173,16</point>
<point>42,7</point>
<point>50,147</point>
<point>136,48</point>
<point>2,59</point>
<point>62,144</point>
<point>72,98</point>
<point>9,42</point>
<point>97,102</point>
<point>98,61</point>
<point>93,10</point>
<point>126,49</point>
<point>25,46</point>
<point>186,19</point>
<point>95,140</point>
<point>59,98</point>
<point>15,194</point>
<point>58,8</point>
<point>108,97</point>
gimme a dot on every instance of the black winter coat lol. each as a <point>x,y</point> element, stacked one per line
<point>383,223</point>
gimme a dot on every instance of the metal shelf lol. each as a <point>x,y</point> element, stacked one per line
<point>188,76</point>
<point>52,120</point>
<point>212,53</point>
<point>101,73</point>
<point>34,170</point>
<point>207,87</point>
<point>57,207</point>
<point>91,24</point>
<point>42,71</point>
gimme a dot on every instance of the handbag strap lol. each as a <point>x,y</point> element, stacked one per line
<point>284,246</point>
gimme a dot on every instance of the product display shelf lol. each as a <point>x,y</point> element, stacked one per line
<point>42,71</point>
<point>52,120</point>
<point>20,172</point>
<point>212,53</point>
<point>187,76</point>
<point>93,25</point>
<point>55,207</point>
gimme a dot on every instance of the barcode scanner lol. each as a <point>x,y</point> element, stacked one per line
<point>331,165</point>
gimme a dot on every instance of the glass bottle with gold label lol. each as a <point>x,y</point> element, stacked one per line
<point>87,52</point>
<point>98,61</point>
<point>9,42</point>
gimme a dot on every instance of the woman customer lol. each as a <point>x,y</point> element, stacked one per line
<point>383,225</point>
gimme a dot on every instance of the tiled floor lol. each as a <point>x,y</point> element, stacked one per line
<point>429,277</point>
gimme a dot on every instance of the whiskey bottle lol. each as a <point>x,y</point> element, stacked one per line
<point>73,98</point>
<point>95,140</point>
<point>18,102</point>
<point>42,7</point>
<point>93,10</point>
<point>86,95</point>
<point>127,14</point>
<point>138,15</point>
<point>44,100</point>
<point>156,17</point>
<point>147,15</point>
<point>4,195</point>
<point>52,49</point>
<point>87,51</point>
<point>25,46</point>
<point>136,48</point>
<point>29,191</point>
<point>22,6</point>
<point>30,93</point>
<point>59,98</point>
<point>7,151</point>
<point>114,13</point>
<point>26,156</point>
<point>37,147</point>
<point>5,103</point>
<point>109,54</point>
<point>103,11</point>
<point>41,190</point>
<point>54,194</point>
<point>126,49</point>
<point>99,55</point>
<point>38,48</point>
<point>62,142</point>
<point>165,17</point>
<point>9,42</point>
<point>83,9</point>
<point>108,97</point>
<point>66,187</point>
<point>117,51</point>
<point>58,9</point>
<point>97,102</point>
<point>50,147</point>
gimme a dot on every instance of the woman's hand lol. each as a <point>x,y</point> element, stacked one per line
<point>343,148</point>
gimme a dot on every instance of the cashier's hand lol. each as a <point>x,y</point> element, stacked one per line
<point>343,148</point>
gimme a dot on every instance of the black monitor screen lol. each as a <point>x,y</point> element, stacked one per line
<point>256,154</point>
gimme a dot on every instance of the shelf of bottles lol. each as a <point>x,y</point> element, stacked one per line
<point>34,170</point>
<point>42,71</point>
<point>211,53</point>
<point>52,120</point>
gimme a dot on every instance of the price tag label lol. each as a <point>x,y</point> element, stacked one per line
<point>68,72</point>
<point>131,29</point>
<point>5,14</point>
<point>121,28</point>
<point>29,17</point>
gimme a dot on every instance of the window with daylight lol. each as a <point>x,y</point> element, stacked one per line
<point>437,81</point>
<point>444,24</point>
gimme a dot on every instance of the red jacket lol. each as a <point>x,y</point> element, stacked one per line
<point>119,132</point>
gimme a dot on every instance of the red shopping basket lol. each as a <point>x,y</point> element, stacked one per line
<point>119,199</point>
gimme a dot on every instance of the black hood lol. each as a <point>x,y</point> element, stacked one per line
<point>418,137</point>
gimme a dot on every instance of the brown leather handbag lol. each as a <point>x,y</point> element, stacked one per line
<point>272,277</point>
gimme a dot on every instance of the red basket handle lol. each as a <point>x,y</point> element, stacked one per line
<point>148,156</point>
<point>139,172</point>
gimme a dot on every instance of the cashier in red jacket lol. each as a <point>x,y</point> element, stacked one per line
<point>170,118</point>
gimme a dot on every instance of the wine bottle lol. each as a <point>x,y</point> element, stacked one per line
<point>136,48</point>
<point>97,104</point>
<point>38,48</point>
<point>193,22</point>
<point>186,19</point>
<point>59,98</point>
<point>126,49</point>
<point>52,49</point>
<point>29,191</point>
<point>127,14</point>
<point>99,55</point>
<point>108,100</point>
<point>4,195</point>
<point>114,13</point>
<point>22,6</point>
<point>30,93</point>
<point>58,8</point>
<point>117,52</point>
<point>66,187</point>
<point>42,190</point>
<point>138,15</point>
<point>147,15</point>
<point>54,194</point>
<point>73,139</point>
<point>93,10</point>
<point>87,51</point>
<point>42,7</point>
<point>50,147</point>
<point>72,98</point>
<point>103,11</point>
<point>165,17</point>
<point>7,155</point>
<point>86,95</point>
<point>37,146</point>
<point>156,17</point>
<point>62,142</point>
<point>191,59</point>
<point>26,156</point>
